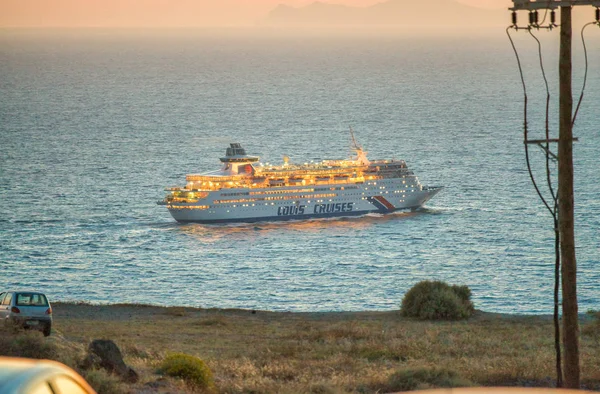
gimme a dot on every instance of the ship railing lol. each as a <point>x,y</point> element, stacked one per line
<point>170,199</point>
<point>312,171</point>
<point>299,174</point>
<point>330,179</point>
<point>215,179</point>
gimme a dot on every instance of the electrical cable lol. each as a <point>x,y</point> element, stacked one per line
<point>586,72</point>
<point>547,150</point>
<point>545,15</point>
<point>546,11</point>
<point>539,193</point>
<point>554,210</point>
<point>554,213</point>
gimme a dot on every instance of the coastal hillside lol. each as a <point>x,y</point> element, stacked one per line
<point>395,13</point>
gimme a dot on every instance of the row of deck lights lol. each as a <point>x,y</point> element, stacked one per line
<point>256,185</point>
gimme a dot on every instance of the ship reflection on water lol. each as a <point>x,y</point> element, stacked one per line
<point>209,233</point>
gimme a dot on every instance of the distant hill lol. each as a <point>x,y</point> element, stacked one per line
<point>400,13</point>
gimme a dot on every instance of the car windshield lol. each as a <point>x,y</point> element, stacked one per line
<point>31,299</point>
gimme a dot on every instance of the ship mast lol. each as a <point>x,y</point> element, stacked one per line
<point>356,147</point>
<point>361,155</point>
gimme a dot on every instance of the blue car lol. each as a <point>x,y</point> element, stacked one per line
<point>27,309</point>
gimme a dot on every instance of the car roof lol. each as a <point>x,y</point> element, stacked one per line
<point>18,373</point>
<point>22,291</point>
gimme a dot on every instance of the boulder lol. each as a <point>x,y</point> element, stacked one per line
<point>106,354</point>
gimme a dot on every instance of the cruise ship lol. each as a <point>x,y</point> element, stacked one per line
<point>243,190</point>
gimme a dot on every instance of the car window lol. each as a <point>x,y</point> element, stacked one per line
<point>25,299</point>
<point>41,388</point>
<point>65,385</point>
<point>7,299</point>
<point>1,297</point>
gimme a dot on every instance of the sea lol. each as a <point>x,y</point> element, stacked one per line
<point>94,124</point>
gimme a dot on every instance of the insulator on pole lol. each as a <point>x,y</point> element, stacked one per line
<point>514,18</point>
<point>553,17</point>
<point>536,17</point>
<point>597,14</point>
<point>531,18</point>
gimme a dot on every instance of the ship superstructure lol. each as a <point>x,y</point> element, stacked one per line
<point>245,191</point>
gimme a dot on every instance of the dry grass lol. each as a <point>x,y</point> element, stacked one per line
<point>31,344</point>
<point>326,352</point>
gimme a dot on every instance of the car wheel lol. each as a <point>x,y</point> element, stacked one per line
<point>47,330</point>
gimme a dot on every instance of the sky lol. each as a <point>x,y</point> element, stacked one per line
<point>160,13</point>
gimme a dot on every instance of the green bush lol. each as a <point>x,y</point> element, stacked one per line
<point>189,368</point>
<point>463,292</point>
<point>435,300</point>
<point>425,378</point>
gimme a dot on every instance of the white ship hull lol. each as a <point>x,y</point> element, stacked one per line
<point>302,202</point>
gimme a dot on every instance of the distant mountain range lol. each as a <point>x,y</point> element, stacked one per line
<point>399,13</point>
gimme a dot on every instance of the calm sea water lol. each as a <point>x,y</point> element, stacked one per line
<point>94,125</point>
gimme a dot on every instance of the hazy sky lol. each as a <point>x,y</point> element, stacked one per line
<point>159,13</point>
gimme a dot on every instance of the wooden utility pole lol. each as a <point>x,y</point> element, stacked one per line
<point>566,223</point>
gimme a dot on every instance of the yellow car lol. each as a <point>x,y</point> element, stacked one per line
<point>28,376</point>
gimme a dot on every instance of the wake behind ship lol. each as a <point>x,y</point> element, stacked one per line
<point>245,191</point>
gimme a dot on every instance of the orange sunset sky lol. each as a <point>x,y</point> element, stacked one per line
<point>160,13</point>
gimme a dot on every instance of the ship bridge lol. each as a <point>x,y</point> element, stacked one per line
<point>236,154</point>
<point>237,162</point>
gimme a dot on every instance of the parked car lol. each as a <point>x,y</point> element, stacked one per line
<point>27,309</point>
<point>26,376</point>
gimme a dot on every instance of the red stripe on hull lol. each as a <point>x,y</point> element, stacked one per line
<point>385,202</point>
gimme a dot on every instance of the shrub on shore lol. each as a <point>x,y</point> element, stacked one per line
<point>189,368</point>
<point>436,300</point>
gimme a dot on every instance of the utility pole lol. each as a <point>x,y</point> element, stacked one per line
<point>566,224</point>
<point>570,318</point>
